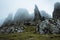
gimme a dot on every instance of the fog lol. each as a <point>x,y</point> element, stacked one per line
<point>44,14</point>
<point>22,15</point>
<point>11,6</point>
<point>8,20</point>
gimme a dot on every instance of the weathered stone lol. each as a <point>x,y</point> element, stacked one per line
<point>56,12</point>
<point>11,29</point>
<point>2,31</point>
<point>46,27</point>
<point>37,16</point>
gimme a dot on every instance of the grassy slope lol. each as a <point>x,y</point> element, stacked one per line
<point>28,34</point>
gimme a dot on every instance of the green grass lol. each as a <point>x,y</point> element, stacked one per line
<point>29,34</point>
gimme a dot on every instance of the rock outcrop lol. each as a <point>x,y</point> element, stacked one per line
<point>56,12</point>
<point>49,27</point>
<point>11,29</point>
<point>37,15</point>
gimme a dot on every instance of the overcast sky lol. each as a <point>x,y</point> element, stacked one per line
<point>11,6</point>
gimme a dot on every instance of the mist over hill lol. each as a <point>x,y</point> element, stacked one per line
<point>38,18</point>
<point>8,20</point>
<point>22,15</point>
<point>1,21</point>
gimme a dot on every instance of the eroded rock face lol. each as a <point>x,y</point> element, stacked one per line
<point>37,15</point>
<point>56,12</point>
<point>49,27</point>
